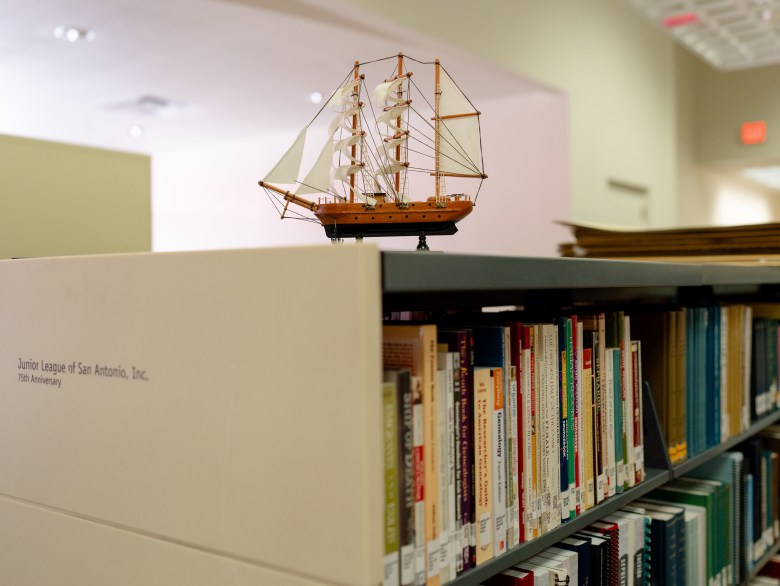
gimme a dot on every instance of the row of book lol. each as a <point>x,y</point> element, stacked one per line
<point>709,527</point>
<point>713,371</point>
<point>497,434</point>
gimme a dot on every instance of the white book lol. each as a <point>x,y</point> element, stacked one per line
<point>526,445</point>
<point>568,557</point>
<point>557,567</point>
<point>554,423</point>
<point>542,576</point>
<point>499,465</point>
<point>544,441</point>
<point>636,543</point>
<point>453,363</point>
<point>513,494</point>
<point>444,392</point>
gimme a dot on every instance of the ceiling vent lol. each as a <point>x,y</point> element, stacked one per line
<point>728,34</point>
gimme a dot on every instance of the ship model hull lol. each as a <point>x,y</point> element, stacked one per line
<point>356,220</point>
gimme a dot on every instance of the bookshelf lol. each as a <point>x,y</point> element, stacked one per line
<point>252,447</point>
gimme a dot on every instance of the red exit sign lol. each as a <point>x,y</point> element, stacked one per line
<point>753,132</point>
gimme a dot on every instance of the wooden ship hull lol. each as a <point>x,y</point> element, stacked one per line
<point>356,220</point>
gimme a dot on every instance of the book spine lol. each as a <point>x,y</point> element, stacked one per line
<point>499,464</point>
<point>431,456</point>
<point>599,420</point>
<point>570,445</point>
<point>554,419</point>
<point>514,492</point>
<point>531,443</point>
<point>637,393</point>
<point>516,331</point>
<point>619,420</point>
<point>418,419</point>
<point>629,414</point>
<point>723,357</point>
<point>510,434</point>
<point>604,403</point>
<point>579,416</point>
<point>443,392</point>
<point>457,542</point>
<point>587,424</point>
<point>467,454</point>
<point>564,401</point>
<point>483,463</point>
<point>406,483</point>
<point>609,399</point>
<point>391,576</point>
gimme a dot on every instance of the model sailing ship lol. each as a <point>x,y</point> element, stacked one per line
<point>360,184</point>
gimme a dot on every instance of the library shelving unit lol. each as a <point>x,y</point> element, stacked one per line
<point>215,417</point>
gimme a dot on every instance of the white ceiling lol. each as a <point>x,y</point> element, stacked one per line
<point>728,34</point>
<point>232,68</point>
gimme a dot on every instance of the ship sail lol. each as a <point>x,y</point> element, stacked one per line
<point>460,151</point>
<point>287,169</point>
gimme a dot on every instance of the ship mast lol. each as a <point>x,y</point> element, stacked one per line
<point>398,123</point>
<point>355,76</point>
<point>437,123</point>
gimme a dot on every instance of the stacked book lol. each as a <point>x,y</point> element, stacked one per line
<point>754,243</point>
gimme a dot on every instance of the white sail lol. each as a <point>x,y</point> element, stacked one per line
<point>289,166</point>
<point>388,91</point>
<point>345,146</point>
<point>318,178</point>
<point>390,117</point>
<point>459,146</point>
<point>344,96</point>
<point>344,172</point>
<point>344,121</point>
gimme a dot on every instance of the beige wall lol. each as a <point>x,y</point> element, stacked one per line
<point>711,105</point>
<point>617,69</point>
<point>58,199</point>
<point>727,99</point>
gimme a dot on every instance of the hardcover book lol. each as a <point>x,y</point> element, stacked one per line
<point>483,462</point>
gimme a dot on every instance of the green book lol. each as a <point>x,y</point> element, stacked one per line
<point>391,517</point>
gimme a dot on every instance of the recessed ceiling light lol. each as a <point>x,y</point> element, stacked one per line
<point>73,34</point>
<point>136,131</point>
<point>315,97</point>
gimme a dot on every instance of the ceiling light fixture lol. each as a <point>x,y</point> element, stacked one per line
<point>136,131</point>
<point>73,34</point>
<point>315,97</point>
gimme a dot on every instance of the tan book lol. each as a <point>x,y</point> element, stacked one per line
<point>483,462</point>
